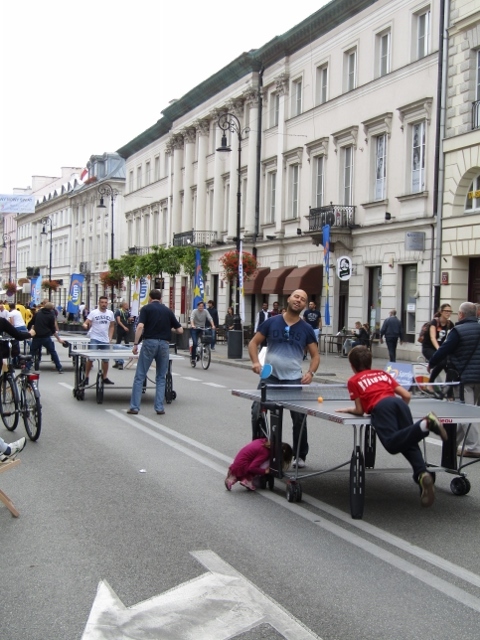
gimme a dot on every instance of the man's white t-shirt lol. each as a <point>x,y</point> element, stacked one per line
<point>100,324</point>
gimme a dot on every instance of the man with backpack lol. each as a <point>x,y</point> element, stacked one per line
<point>462,347</point>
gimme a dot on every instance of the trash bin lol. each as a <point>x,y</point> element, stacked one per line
<point>235,347</point>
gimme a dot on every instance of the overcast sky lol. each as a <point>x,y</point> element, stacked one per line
<point>83,77</point>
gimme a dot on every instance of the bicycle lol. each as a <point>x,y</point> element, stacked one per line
<point>20,396</point>
<point>204,354</point>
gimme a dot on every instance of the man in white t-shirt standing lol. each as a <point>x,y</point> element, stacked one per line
<point>101,323</point>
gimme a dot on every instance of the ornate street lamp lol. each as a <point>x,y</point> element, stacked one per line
<point>230,122</point>
<point>47,222</point>
<point>105,190</point>
<point>8,238</point>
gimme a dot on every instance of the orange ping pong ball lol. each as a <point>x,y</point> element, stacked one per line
<point>320,399</point>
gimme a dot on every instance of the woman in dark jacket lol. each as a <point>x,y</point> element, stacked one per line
<point>436,336</point>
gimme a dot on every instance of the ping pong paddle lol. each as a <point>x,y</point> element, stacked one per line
<point>266,371</point>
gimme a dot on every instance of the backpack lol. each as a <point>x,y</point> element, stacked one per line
<point>423,331</point>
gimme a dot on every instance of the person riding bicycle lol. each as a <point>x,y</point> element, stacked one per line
<point>6,327</point>
<point>198,320</point>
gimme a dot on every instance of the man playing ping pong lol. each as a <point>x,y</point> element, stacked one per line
<point>377,393</point>
<point>287,336</point>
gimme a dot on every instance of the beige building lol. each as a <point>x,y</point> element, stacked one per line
<point>338,124</point>
<point>460,237</point>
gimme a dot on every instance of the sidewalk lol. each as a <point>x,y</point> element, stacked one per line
<point>332,368</point>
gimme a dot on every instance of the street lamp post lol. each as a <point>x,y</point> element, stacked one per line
<point>105,190</point>
<point>230,122</point>
<point>8,238</point>
<point>47,221</point>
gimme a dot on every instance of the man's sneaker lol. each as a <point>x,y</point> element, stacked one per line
<point>299,464</point>
<point>15,448</point>
<point>120,366</point>
<point>435,426</point>
<point>425,480</point>
<point>107,381</point>
<point>248,484</point>
<point>60,370</point>
<point>86,382</point>
<point>230,480</point>
<point>115,366</point>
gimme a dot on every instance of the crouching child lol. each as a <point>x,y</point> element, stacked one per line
<point>254,460</point>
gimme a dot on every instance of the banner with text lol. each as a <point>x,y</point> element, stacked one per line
<point>75,293</point>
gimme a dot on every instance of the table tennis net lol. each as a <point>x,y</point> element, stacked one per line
<point>285,392</point>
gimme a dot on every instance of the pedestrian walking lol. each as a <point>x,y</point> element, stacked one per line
<point>214,314</point>
<point>155,325</point>
<point>45,326</point>
<point>122,320</point>
<point>392,331</point>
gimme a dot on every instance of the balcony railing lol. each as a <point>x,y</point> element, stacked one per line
<point>338,216</point>
<point>476,114</point>
<point>194,238</point>
<point>139,251</point>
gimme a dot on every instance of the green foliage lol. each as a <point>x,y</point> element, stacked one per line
<point>160,260</point>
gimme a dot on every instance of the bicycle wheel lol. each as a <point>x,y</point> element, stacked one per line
<point>206,356</point>
<point>31,410</point>
<point>99,388</point>
<point>9,402</point>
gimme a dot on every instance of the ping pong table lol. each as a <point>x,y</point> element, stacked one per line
<point>305,399</point>
<point>114,352</point>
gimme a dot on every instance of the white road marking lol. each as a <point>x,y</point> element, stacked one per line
<point>217,386</point>
<point>218,605</point>
<point>192,379</point>
<point>437,583</point>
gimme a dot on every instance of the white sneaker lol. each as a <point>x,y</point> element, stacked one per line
<point>299,464</point>
<point>15,448</point>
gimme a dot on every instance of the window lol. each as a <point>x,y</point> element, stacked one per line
<point>297,97</point>
<point>166,158</point>
<point>294,174</point>
<point>380,167</point>
<point>147,173</point>
<point>476,104</point>
<point>423,34</point>
<point>350,70</point>
<point>418,157</point>
<point>319,180</point>
<point>274,109</point>
<point>383,54</point>
<point>347,175</point>
<point>322,80</point>
<point>139,177</point>
<point>472,203</point>
<point>130,181</point>
<point>157,168</point>
<point>272,188</point>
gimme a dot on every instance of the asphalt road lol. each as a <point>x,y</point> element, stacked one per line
<point>130,500</point>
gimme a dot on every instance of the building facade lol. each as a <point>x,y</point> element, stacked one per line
<point>460,237</point>
<point>339,125</point>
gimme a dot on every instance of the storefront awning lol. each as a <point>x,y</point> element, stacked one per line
<point>275,280</point>
<point>309,278</point>
<point>254,285</point>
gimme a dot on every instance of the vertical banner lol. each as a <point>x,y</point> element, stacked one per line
<point>36,290</point>
<point>144,289</point>
<point>75,293</point>
<point>326,257</point>
<point>198,288</point>
<point>241,311</point>
<point>135,297</point>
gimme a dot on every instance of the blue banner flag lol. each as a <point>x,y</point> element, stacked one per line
<point>326,257</point>
<point>198,289</point>
<point>36,290</point>
<point>75,292</point>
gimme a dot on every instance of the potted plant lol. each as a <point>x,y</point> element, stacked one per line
<point>11,289</point>
<point>49,285</point>
<point>229,262</point>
